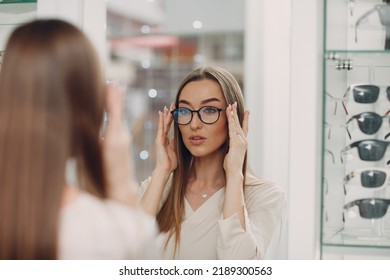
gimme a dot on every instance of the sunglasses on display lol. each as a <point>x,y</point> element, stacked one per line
<point>207,114</point>
<point>369,122</point>
<point>370,208</point>
<point>368,178</point>
<point>364,94</point>
<point>368,150</point>
<point>384,17</point>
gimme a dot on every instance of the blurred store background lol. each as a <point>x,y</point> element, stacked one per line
<point>153,44</point>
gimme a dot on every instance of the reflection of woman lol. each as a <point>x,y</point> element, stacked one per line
<point>51,108</point>
<point>206,202</point>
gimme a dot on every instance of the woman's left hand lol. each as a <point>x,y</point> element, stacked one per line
<point>238,143</point>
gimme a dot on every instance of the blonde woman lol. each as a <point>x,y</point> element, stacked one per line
<point>207,203</point>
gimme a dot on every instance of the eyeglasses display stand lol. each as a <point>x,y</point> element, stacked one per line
<point>356,103</point>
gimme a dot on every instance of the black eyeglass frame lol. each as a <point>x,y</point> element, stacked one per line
<point>365,141</point>
<point>198,113</point>
<point>360,124</point>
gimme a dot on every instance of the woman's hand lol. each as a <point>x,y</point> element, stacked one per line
<point>116,144</point>
<point>238,143</point>
<point>166,160</point>
<point>234,196</point>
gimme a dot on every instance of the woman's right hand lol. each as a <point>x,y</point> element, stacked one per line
<point>166,159</point>
<point>166,162</point>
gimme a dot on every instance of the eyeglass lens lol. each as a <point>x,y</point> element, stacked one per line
<point>366,93</point>
<point>369,122</point>
<point>372,178</point>
<point>371,150</point>
<point>370,208</point>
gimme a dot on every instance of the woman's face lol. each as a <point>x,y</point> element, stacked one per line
<point>203,139</point>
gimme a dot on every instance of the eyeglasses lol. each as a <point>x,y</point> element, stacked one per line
<point>369,178</point>
<point>207,114</point>
<point>370,208</point>
<point>368,122</point>
<point>364,94</point>
<point>368,150</point>
<point>384,16</point>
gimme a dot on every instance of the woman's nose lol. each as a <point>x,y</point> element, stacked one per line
<point>195,123</point>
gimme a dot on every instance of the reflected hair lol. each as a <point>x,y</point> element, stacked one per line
<point>51,107</point>
<point>171,214</point>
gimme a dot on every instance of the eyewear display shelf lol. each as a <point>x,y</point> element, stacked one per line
<point>356,131</point>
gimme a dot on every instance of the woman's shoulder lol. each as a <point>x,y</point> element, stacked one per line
<point>91,227</point>
<point>102,209</point>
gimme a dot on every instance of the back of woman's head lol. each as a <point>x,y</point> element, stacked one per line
<point>50,110</point>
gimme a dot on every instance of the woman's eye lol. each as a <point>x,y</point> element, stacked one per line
<point>209,110</point>
<point>183,112</point>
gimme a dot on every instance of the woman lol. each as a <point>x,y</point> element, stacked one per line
<point>51,108</point>
<point>207,204</point>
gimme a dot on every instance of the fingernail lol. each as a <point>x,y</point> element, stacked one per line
<point>165,108</point>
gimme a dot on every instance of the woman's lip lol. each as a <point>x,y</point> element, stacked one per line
<point>196,140</point>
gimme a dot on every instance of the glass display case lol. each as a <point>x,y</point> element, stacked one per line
<point>12,14</point>
<point>356,128</point>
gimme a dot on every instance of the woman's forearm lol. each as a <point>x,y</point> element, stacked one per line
<point>234,197</point>
<point>152,196</point>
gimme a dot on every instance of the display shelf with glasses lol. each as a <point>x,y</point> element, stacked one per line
<point>356,150</point>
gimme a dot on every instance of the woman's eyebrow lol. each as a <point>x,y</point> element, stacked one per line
<point>183,101</point>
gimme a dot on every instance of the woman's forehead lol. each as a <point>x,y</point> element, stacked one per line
<point>201,91</point>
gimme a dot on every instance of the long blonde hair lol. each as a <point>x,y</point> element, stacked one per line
<point>171,215</point>
<point>51,109</point>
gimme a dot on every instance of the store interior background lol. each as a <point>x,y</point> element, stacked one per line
<point>274,49</point>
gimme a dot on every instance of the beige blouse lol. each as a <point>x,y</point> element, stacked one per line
<point>91,228</point>
<point>206,235</point>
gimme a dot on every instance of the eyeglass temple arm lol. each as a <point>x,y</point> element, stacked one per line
<point>346,125</point>
<point>343,99</point>
<point>363,16</point>
<point>351,204</point>
<point>344,151</point>
<point>347,177</point>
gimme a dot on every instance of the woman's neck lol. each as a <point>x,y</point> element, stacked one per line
<point>208,170</point>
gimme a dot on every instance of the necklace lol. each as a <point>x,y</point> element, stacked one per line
<point>204,195</point>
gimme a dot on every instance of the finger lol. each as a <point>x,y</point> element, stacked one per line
<point>245,123</point>
<point>114,102</point>
<point>160,129</point>
<point>167,120</point>
<point>230,118</point>
<point>237,125</point>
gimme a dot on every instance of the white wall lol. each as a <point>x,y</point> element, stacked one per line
<point>305,129</point>
<point>267,91</point>
<point>88,15</point>
<point>283,87</point>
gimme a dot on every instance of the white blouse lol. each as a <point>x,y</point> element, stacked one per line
<point>92,228</point>
<point>206,235</point>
